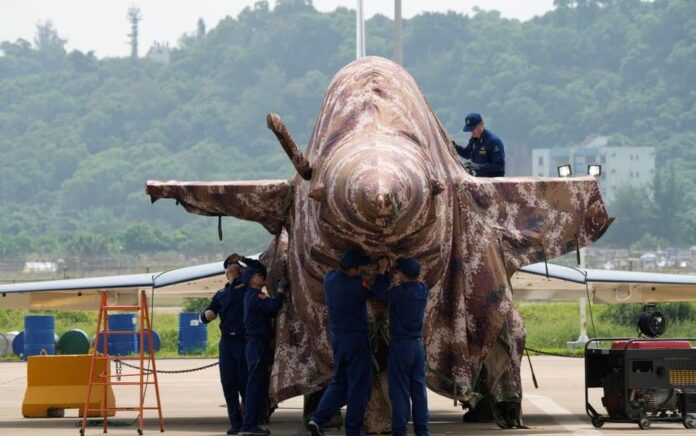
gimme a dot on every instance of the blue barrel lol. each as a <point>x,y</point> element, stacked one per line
<point>193,334</point>
<point>39,335</point>
<point>18,344</point>
<point>120,344</point>
<point>157,342</point>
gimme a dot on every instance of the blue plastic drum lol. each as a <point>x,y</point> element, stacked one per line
<point>193,334</point>
<point>39,335</point>
<point>18,344</point>
<point>120,344</point>
<point>155,339</point>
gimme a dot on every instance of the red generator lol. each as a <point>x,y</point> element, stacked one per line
<point>643,380</point>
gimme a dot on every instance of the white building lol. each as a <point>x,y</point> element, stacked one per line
<point>159,52</point>
<point>621,165</point>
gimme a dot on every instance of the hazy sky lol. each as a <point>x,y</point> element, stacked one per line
<point>101,25</point>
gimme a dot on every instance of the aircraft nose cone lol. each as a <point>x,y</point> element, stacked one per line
<point>375,186</point>
<point>380,195</point>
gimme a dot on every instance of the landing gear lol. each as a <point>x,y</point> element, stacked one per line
<point>644,423</point>
<point>597,422</point>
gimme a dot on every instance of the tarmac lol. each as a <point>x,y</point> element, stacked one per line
<point>193,404</point>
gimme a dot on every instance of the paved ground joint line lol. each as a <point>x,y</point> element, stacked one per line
<point>552,408</point>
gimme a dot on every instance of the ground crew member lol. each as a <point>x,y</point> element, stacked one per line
<point>485,150</point>
<point>406,353</point>
<point>228,304</point>
<point>259,309</point>
<point>346,294</point>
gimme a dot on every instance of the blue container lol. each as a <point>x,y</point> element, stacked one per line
<point>39,335</point>
<point>18,344</point>
<point>157,342</point>
<point>120,344</point>
<point>193,334</point>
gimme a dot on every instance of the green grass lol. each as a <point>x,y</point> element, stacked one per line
<point>549,325</point>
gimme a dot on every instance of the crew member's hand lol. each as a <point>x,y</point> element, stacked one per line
<point>209,315</point>
<point>454,144</point>
<point>282,284</point>
<point>234,271</point>
<point>382,265</point>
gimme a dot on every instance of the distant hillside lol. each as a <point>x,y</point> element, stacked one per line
<point>79,136</point>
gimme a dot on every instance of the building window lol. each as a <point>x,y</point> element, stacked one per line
<point>613,170</point>
<point>603,159</point>
<point>637,156</point>
<point>637,173</point>
<point>541,174</point>
<point>541,161</point>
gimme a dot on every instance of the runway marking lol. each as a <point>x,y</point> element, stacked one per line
<point>552,408</point>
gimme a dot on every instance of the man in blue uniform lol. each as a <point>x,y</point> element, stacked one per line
<point>485,150</point>
<point>406,365</point>
<point>228,304</point>
<point>346,294</point>
<point>259,310</point>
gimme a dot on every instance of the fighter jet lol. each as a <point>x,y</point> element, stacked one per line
<point>379,174</point>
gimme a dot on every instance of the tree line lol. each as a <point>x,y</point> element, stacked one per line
<point>80,135</point>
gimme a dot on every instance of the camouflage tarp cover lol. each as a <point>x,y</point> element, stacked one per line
<point>385,178</point>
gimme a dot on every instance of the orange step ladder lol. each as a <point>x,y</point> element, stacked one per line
<point>142,375</point>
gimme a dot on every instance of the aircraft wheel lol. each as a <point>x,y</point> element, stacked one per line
<point>644,423</point>
<point>690,421</point>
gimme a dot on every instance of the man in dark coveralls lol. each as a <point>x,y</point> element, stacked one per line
<point>228,304</point>
<point>407,302</point>
<point>485,149</point>
<point>259,310</point>
<point>346,294</point>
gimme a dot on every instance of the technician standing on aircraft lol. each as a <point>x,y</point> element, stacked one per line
<point>228,303</point>
<point>259,309</point>
<point>406,362</point>
<point>485,149</point>
<point>346,295</point>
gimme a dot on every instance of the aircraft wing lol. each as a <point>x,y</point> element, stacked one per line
<point>200,280</point>
<point>605,286</point>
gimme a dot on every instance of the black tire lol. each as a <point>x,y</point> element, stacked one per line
<point>689,422</point>
<point>644,423</point>
<point>597,422</point>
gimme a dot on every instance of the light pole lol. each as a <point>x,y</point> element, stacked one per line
<point>359,31</point>
<point>398,49</point>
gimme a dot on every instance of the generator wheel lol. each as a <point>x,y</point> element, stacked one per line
<point>599,422</point>
<point>644,423</point>
<point>689,421</point>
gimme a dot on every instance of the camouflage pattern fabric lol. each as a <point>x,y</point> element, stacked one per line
<point>384,178</point>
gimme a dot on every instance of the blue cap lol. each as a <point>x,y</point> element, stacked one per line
<point>471,121</point>
<point>248,273</point>
<point>409,266</point>
<point>353,259</point>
